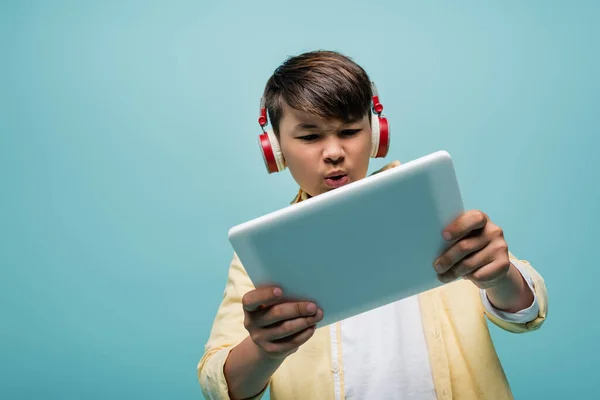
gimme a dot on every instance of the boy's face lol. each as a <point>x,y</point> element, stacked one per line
<point>324,154</point>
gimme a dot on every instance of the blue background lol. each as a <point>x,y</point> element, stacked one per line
<point>128,148</point>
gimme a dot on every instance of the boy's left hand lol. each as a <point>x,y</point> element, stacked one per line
<point>479,254</point>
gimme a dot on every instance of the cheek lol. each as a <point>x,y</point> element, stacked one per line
<point>297,159</point>
<point>362,148</point>
<point>299,163</point>
<point>362,155</point>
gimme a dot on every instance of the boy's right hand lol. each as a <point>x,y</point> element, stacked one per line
<point>278,326</point>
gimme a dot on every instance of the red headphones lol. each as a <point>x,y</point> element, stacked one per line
<point>269,145</point>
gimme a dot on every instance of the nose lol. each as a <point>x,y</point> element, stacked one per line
<point>334,151</point>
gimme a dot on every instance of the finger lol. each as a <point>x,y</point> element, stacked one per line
<point>488,275</point>
<point>293,326</point>
<point>464,224</point>
<point>461,249</point>
<point>469,264</point>
<point>285,311</point>
<point>291,342</point>
<point>264,296</point>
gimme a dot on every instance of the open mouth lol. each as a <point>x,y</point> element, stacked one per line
<point>336,180</point>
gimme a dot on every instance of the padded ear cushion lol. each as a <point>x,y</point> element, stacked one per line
<point>374,135</point>
<point>272,156</point>
<point>276,151</point>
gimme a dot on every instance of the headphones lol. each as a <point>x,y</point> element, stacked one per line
<point>271,151</point>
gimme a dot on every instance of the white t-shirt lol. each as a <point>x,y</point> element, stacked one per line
<point>398,366</point>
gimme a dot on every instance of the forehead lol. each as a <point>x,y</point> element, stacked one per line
<point>293,118</point>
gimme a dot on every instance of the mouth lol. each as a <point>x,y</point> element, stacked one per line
<point>335,181</point>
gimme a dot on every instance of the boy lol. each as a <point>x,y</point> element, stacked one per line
<point>435,345</point>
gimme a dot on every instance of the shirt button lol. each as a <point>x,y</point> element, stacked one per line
<point>335,367</point>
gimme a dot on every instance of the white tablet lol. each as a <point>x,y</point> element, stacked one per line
<point>358,247</point>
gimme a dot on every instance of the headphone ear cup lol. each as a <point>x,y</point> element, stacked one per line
<point>384,136</point>
<point>271,152</point>
<point>380,137</point>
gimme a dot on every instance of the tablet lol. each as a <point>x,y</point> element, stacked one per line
<point>358,247</point>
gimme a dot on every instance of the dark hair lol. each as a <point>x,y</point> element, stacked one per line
<point>324,83</point>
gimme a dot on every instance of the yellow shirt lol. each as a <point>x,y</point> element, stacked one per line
<point>464,363</point>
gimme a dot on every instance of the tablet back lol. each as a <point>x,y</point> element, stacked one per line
<point>360,246</point>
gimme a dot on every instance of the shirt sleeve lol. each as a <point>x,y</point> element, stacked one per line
<point>529,319</point>
<point>522,316</point>
<point>226,333</point>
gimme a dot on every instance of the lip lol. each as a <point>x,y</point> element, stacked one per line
<point>337,172</point>
<point>336,183</point>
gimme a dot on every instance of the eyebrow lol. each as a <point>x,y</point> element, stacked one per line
<point>302,126</point>
<point>305,125</point>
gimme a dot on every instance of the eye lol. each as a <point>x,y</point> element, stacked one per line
<point>309,138</point>
<point>350,132</point>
